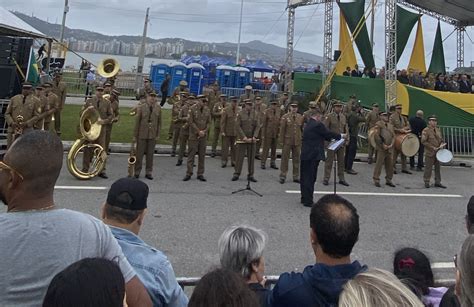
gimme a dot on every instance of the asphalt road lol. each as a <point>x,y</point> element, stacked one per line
<point>185,219</point>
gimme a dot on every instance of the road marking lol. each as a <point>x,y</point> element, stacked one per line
<point>443,265</point>
<point>78,187</point>
<point>381,194</point>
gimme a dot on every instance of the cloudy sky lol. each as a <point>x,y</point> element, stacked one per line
<point>218,21</point>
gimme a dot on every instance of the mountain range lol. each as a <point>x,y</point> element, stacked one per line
<point>254,50</point>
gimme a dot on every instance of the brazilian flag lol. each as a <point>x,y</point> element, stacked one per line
<point>32,74</point>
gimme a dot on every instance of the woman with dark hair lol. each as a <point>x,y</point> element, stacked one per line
<point>413,267</point>
<point>222,288</point>
<point>90,282</point>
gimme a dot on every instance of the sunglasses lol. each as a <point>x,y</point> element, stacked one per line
<point>4,166</point>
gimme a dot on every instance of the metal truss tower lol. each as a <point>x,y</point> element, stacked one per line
<point>290,34</point>
<point>460,45</point>
<point>328,26</point>
<point>390,53</point>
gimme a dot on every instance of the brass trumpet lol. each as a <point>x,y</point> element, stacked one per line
<point>132,159</point>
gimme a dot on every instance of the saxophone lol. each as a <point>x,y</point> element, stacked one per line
<point>19,125</point>
<point>132,159</point>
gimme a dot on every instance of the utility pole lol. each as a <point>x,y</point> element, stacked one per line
<point>63,25</point>
<point>372,21</point>
<point>141,55</point>
<point>237,57</point>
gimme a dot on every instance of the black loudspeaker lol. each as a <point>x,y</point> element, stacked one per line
<point>337,54</point>
<point>9,81</point>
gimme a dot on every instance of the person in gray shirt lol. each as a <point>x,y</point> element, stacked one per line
<point>38,239</point>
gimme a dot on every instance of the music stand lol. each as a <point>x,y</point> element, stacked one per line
<point>335,146</point>
<point>248,187</point>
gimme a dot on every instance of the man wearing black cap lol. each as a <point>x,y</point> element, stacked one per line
<point>432,139</point>
<point>228,131</point>
<point>401,126</point>
<point>21,113</point>
<point>384,139</point>
<point>59,88</point>
<point>124,213</point>
<point>371,120</point>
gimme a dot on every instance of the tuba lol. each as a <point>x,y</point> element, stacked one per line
<point>108,68</point>
<point>90,130</point>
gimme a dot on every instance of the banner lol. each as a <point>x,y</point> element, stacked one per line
<point>348,58</point>
<point>437,64</point>
<point>406,20</point>
<point>417,59</point>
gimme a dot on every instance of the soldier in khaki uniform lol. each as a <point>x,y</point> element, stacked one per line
<point>259,108</point>
<point>59,88</point>
<point>248,127</point>
<point>350,104</point>
<point>182,87</point>
<point>336,122</point>
<point>308,113</point>
<point>106,115</point>
<point>147,133</point>
<point>384,139</point>
<point>199,122</point>
<point>247,95</point>
<point>53,105</point>
<point>291,128</point>
<point>216,115</point>
<point>283,101</point>
<point>184,128</point>
<point>21,114</point>
<point>370,120</point>
<point>114,103</point>
<point>42,107</point>
<point>401,126</point>
<point>145,90</point>
<point>175,126</point>
<point>228,132</point>
<point>321,105</point>
<point>432,139</point>
<point>270,130</point>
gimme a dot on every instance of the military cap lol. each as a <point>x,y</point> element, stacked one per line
<point>433,117</point>
<point>258,98</point>
<point>222,95</point>
<point>47,84</point>
<point>183,83</point>
<point>40,87</point>
<point>147,80</point>
<point>285,94</point>
<point>337,103</point>
<point>128,193</point>
<point>248,101</point>
<point>234,98</point>
<point>383,113</point>
<point>153,94</point>
<point>182,93</point>
<point>201,96</point>
<point>313,104</point>
<point>107,83</point>
<point>248,87</point>
<point>191,96</point>
<point>116,92</point>
<point>99,88</point>
<point>398,106</point>
<point>27,85</point>
<point>375,105</point>
<point>294,104</point>
<point>273,102</point>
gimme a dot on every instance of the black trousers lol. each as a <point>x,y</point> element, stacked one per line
<point>351,152</point>
<point>308,173</point>
<point>164,95</point>
<point>420,164</point>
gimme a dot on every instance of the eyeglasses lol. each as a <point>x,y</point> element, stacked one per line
<point>4,166</point>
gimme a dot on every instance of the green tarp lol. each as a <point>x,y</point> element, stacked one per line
<point>406,20</point>
<point>437,64</point>
<point>353,12</point>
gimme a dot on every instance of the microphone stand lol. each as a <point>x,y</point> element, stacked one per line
<point>334,147</point>
<point>251,156</point>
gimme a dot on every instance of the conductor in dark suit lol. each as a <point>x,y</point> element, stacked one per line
<point>314,135</point>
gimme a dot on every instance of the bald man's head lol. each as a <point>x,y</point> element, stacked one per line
<point>38,157</point>
<point>419,113</point>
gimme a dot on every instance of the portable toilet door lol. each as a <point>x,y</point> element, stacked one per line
<point>195,76</point>
<point>242,77</point>
<point>225,76</point>
<point>158,74</point>
<point>178,73</point>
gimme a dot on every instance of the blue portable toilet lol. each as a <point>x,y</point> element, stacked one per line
<point>242,77</point>
<point>195,76</point>
<point>158,74</point>
<point>225,76</point>
<point>178,73</point>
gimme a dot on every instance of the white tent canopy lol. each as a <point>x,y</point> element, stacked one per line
<point>11,25</point>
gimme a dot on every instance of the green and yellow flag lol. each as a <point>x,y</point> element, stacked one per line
<point>417,59</point>
<point>437,64</point>
<point>348,56</point>
<point>32,74</point>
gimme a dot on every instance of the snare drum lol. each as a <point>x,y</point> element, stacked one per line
<point>444,156</point>
<point>407,143</point>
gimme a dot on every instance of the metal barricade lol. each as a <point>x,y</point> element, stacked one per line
<point>460,140</point>
<point>265,94</point>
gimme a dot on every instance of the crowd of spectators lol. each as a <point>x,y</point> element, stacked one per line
<point>56,257</point>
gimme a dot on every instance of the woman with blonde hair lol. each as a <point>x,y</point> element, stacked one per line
<point>377,288</point>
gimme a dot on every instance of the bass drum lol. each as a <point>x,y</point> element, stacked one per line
<point>371,137</point>
<point>408,144</point>
<point>444,156</point>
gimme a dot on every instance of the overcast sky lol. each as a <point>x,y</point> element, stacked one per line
<point>218,21</point>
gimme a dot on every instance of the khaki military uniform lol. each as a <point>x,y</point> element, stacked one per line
<point>337,124</point>
<point>291,128</point>
<point>199,120</point>
<point>144,92</point>
<point>147,133</point>
<point>184,130</point>
<point>114,103</point>
<point>244,96</point>
<point>227,124</point>
<point>284,103</point>
<point>175,125</point>
<point>370,120</point>
<point>60,90</point>
<point>176,93</point>
<point>42,108</point>
<point>106,114</point>
<point>348,106</point>
<point>25,106</point>
<point>270,130</point>
<point>384,135</point>
<point>399,122</point>
<point>260,109</point>
<point>431,138</point>
<point>321,105</point>
<point>247,125</point>
<point>212,95</point>
<point>53,105</point>
<point>307,115</point>
<point>216,115</point>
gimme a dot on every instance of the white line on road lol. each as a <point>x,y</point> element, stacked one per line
<point>78,187</point>
<point>381,194</point>
<point>442,265</point>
